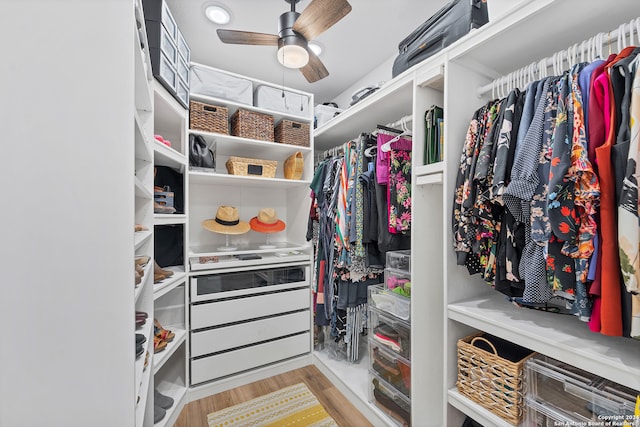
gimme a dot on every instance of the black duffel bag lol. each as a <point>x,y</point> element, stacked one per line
<point>445,27</point>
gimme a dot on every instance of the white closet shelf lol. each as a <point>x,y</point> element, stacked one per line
<point>167,156</point>
<point>143,100</point>
<point>169,219</point>
<point>235,106</point>
<point>229,145</point>
<point>166,107</point>
<point>246,248</point>
<point>230,262</point>
<point>141,190</point>
<point>199,177</point>
<point>475,411</point>
<point>143,392</point>
<point>561,337</point>
<point>167,285</point>
<point>160,358</point>
<point>389,103</point>
<point>140,237</point>
<point>142,148</point>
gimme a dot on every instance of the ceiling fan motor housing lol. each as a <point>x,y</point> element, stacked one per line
<point>285,24</point>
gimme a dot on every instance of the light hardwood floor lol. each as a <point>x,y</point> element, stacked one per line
<point>341,410</point>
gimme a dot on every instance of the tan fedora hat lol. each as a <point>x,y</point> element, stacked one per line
<point>227,221</point>
<point>266,222</point>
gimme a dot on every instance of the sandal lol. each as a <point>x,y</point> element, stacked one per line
<point>158,344</point>
<point>163,334</point>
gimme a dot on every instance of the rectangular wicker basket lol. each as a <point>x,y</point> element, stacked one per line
<point>252,125</point>
<point>208,118</point>
<point>490,380</point>
<point>251,167</point>
<point>294,133</point>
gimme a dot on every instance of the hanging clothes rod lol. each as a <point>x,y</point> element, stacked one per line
<point>402,121</point>
<point>587,50</point>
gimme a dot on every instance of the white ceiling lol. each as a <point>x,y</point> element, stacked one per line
<point>353,47</point>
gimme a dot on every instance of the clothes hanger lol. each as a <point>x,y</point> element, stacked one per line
<point>386,147</point>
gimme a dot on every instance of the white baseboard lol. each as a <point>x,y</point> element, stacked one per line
<point>205,390</point>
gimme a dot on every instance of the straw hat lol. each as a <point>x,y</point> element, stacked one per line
<point>227,221</point>
<point>266,222</point>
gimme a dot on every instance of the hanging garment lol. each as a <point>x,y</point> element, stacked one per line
<point>399,188</point>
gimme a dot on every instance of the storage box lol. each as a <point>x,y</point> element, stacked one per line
<point>251,167</point>
<point>163,70</point>
<point>491,373</point>
<point>537,415</point>
<point>252,125</point>
<point>398,282</point>
<point>271,98</point>
<point>211,82</point>
<point>390,332</point>
<point>208,117</point>
<point>393,368</point>
<point>294,133</point>
<point>399,260</point>
<point>324,113</point>
<point>183,48</point>
<point>389,302</point>
<point>392,402</point>
<point>157,10</point>
<point>571,394</point>
<point>164,198</point>
<point>159,38</point>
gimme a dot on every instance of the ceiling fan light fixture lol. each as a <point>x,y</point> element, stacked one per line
<point>316,48</point>
<point>217,14</point>
<point>292,52</point>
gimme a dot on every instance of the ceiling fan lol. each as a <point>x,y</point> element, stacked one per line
<point>295,30</point>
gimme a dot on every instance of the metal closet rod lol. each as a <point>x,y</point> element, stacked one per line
<point>584,51</point>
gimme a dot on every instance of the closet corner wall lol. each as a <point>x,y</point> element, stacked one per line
<point>448,304</point>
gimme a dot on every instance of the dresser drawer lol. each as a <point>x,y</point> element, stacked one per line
<point>223,364</point>
<point>221,312</point>
<point>238,335</point>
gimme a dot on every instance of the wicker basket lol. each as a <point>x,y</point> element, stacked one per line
<point>494,382</point>
<point>252,125</point>
<point>209,118</point>
<point>251,167</point>
<point>294,133</point>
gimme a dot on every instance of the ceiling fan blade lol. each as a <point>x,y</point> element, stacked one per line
<point>315,69</point>
<point>316,18</point>
<point>247,37</point>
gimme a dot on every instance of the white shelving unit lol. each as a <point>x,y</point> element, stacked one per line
<point>209,189</point>
<point>448,304</point>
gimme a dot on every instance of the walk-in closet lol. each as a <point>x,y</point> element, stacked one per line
<point>262,213</point>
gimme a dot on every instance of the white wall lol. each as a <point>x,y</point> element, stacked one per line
<point>66,307</point>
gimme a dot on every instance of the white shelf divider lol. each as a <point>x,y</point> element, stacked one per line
<point>169,219</point>
<point>140,237</point>
<point>167,156</point>
<point>167,285</point>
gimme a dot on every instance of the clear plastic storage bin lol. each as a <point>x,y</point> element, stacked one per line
<point>569,393</point>
<point>392,402</point>
<point>398,282</point>
<point>390,366</point>
<point>390,332</point>
<point>390,302</point>
<point>399,260</point>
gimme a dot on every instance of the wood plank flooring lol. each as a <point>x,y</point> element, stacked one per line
<point>341,410</point>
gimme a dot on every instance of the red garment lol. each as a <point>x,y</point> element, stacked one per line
<point>611,311</point>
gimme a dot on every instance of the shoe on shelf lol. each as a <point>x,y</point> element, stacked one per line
<point>140,339</point>
<point>159,270</point>
<point>140,322</point>
<point>158,414</point>
<point>160,332</point>
<point>158,344</point>
<point>160,209</point>
<point>140,227</point>
<point>142,314</point>
<point>157,277</point>
<point>142,260</point>
<point>159,399</point>
<point>139,350</point>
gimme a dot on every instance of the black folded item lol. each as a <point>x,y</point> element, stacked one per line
<point>445,27</point>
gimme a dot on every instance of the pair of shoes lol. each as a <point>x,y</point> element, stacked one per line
<point>142,260</point>
<point>160,273</point>
<point>160,332</point>
<point>140,340</point>
<point>161,209</point>
<point>140,227</point>
<point>158,413</point>
<point>161,140</point>
<point>159,399</point>
<point>140,263</point>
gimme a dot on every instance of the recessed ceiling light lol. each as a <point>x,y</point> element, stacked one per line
<point>218,14</point>
<point>316,48</point>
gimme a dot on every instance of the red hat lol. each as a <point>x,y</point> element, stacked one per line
<point>266,222</point>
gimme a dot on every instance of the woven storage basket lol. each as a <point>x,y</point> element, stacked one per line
<point>251,167</point>
<point>490,380</point>
<point>209,118</point>
<point>294,133</point>
<point>252,125</point>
